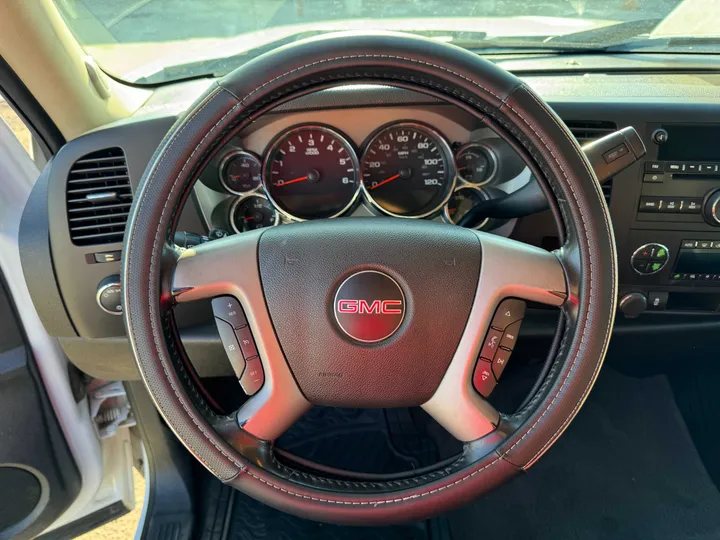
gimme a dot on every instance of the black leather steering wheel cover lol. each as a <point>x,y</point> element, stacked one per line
<point>589,257</point>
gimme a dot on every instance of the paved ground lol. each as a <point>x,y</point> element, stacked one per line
<point>122,528</point>
<point>162,20</point>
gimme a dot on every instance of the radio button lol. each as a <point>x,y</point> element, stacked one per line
<point>692,167</point>
<point>649,204</point>
<point>654,166</point>
<point>688,244</point>
<point>670,205</point>
<point>716,245</point>
<point>673,167</point>
<point>704,244</point>
<point>691,206</point>
<point>708,167</point>
<point>654,178</point>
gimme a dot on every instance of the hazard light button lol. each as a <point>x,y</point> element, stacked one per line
<point>508,312</point>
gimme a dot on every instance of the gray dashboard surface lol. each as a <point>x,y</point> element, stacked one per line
<point>95,341</point>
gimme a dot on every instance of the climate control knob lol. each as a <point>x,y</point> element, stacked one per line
<point>711,208</point>
<point>649,259</point>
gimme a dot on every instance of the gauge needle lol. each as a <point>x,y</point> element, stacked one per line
<point>293,181</point>
<point>393,177</point>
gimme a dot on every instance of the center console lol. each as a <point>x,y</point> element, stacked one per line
<point>674,242</point>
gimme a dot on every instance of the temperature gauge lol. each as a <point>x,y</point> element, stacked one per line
<point>240,172</point>
<point>252,212</point>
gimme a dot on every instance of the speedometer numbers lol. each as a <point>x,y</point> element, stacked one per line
<point>407,170</point>
<point>311,172</point>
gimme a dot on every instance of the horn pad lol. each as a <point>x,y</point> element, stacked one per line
<point>369,311</point>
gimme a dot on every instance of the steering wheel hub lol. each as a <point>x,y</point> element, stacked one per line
<point>369,306</point>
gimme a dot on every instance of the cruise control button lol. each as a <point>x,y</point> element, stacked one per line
<point>247,343</point>
<point>500,361</point>
<point>483,378</point>
<point>231,346</point>
<point>508,312</point>
<point>510,336</point>
<point>492,342</point>
<point>254,376</point>
<point>229,310</point>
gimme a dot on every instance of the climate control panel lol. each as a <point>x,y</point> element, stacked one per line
<point>649,259</point>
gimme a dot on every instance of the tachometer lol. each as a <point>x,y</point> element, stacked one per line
<point>311,172</point>
<point>407,170</point>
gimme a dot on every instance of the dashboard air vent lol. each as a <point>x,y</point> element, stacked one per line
<point>588,131</point>
<point>98,198</point>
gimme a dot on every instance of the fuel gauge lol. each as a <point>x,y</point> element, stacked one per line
<point>252,212</point>
<point>461,202</point>
<point>476,164</point>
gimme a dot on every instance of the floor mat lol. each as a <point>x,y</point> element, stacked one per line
<point>626,468</point>
<point>367,440</point>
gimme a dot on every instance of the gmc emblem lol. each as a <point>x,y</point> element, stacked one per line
<point>369,306</point>
<point>387,307</point>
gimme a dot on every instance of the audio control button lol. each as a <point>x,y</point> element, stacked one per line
<point>649,204</point>
<point>691,206</point>
<point>654,178</point>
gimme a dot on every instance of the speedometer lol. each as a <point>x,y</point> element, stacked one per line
<point>311,172</point>
<point>407,170</point>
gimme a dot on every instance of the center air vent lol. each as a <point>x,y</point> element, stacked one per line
<point>98,198</point>
<point>590,130</point>
<point>586,131</point>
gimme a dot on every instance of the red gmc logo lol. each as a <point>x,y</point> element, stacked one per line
<point>369,306</point>
<point>387,307</point>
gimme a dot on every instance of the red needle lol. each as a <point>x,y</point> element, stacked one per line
<point>393,177</point>
<point>293,181</point>
<point>248,219</point>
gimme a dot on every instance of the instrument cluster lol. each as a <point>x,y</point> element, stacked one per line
<point>404,169</point>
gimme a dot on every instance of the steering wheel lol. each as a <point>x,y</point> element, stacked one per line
<point>300,286</point>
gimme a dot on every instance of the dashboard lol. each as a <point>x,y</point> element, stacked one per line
<point>412,163</point>
<point>364,151</point>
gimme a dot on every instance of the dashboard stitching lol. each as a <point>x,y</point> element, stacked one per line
<point>500,457</point>
<point>590,267</point>
<point>234,108</point>
<point>153,265</point>
<point>377,503</point>
<point>609,327</point>
<point>357,56</point>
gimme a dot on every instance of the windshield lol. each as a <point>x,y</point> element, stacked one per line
<point>157,41</point>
